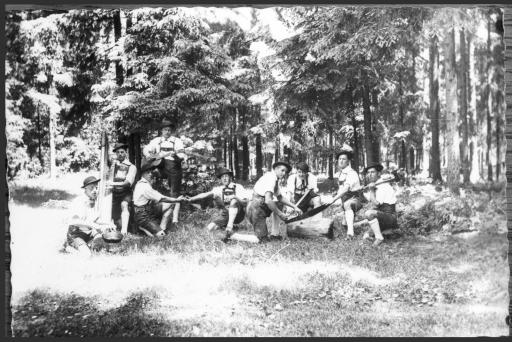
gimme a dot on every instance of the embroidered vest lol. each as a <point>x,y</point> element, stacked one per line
<point>300,190</point>
<point>228,194</point>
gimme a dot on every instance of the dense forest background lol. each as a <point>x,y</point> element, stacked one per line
<point>416,88</point>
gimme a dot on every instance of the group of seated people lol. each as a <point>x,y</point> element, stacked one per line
<point>274,191</point>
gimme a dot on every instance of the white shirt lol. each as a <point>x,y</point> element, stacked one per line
<point>144,192</point>
<point>294,181</point>
<point>159,143</point>
<point>83,211</point>
<point>130,175</point>
<point>384,193</point>
<point>266,183</point>
<point>239,191</point>
<point>349,177</point>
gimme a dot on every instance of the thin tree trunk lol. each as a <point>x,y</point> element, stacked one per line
<point>245,147</point>
<point>489,103</point>
<point>473,119</point>
<point>230,152</point>
<point>236,156</point>
<point>39,135</point>
<point>401,114</point>
<point>331,172</point>
<point>375,117</point>
<point>259,157</point>
<point>355,160</point>
<point>117,35</point>
<point>452,135</point>
<point>368,136</point>
<point>462,83</point>
<point>434,109</point>
<point>225,152</point>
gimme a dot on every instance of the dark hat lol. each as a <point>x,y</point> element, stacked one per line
<point>348,153</point>
<point>303,167</point>
<point>117,146</point>
<point>90,180</point>
<point>167,123</point>
<point>276,164</point>
<point>223,171</point>
<point>150,164</point>
<point>376,166</point>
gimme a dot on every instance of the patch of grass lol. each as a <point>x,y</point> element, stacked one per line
<point>42,313</point>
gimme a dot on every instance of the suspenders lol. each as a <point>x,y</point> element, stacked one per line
<point>228,194</point>
<point>301,190</point>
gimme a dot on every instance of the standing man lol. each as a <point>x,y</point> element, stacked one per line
<point>302,182</point>
<point>349,183</point>
<point>124,177</point>
<point>262,203</point>
<point>84,227</point>
<point>383,198</point>
<point>171,149</point>
<point>230,198</point>
<point>150,206</point>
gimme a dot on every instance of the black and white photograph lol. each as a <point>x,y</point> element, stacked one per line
<point>254,171</point>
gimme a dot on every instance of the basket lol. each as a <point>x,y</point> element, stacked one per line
<point>112,236</point>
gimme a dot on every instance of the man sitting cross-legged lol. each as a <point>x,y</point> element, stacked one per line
<point>262,203</point>
<point>84,225</point>
<point>230,198</point>
<point>383,199</point>
<point>149,204</point>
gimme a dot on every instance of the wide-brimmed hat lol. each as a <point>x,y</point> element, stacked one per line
<point>223,171</point>
<point>376,166</point>
<point>276,164</point>
<point>117,146</point>
<point>167,123</point>
<point>90,180</point>
<point>303,167</point>
<point>150,164</point>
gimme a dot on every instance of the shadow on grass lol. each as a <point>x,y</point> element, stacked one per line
<point>36,196</point>
<point>41,313</point>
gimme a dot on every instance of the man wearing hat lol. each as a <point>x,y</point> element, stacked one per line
<point>124,173</point>
<point>300,183</point>
<point>383,198</point>
<point>171,149</point>
<point>84,227</point>
<point>229,197</point>
<point>349,183</point>
<point>263,204</point>
<point>149,205</point>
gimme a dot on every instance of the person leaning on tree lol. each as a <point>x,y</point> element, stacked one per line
<point>170,149</point>
<point>349,184</point>
<point>383,200</point>
<point>124,177</point>
<point>152,209</point>
<point>301,182</point>
<point>229,198</point>
<point>262,203</point>
<point>84,225</point>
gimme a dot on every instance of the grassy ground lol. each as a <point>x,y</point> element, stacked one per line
<point>190,284</point>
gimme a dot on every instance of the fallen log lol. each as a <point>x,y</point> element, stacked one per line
<point>311,228</point>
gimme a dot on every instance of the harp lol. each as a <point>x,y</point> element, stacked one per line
<point>104,202</point>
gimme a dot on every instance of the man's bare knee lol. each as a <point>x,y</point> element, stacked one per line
<point>233,203</point>
<point>347,205</point>
<point>124,206</point>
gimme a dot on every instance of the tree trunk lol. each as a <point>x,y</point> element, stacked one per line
<point>225,152</point>
<point>452,135</point>
<point>434,110</point>
<point>403,154</point>
<point>129,23</point>
<point>259,157</point>
<point>462,83</point>
<point>375,116</point>
<point>473,119</point>
<point>117,35</point>
<point>236,157</point>
<point>230,152</point>
<point>245,157</point>
<point>331,168</point>
<point>53,133</point>
<point>39,136</point>
<point>368,136</point>
<point>489,103</point>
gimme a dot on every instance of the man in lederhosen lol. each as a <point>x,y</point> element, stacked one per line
<point>124,176</point>
<point>230,198</point>
<point>301,182</point>
<point>152,209</point>
<point>263,204</point>
<point>383,198</point>
<point>171,149</point>
<point>352,200</point>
